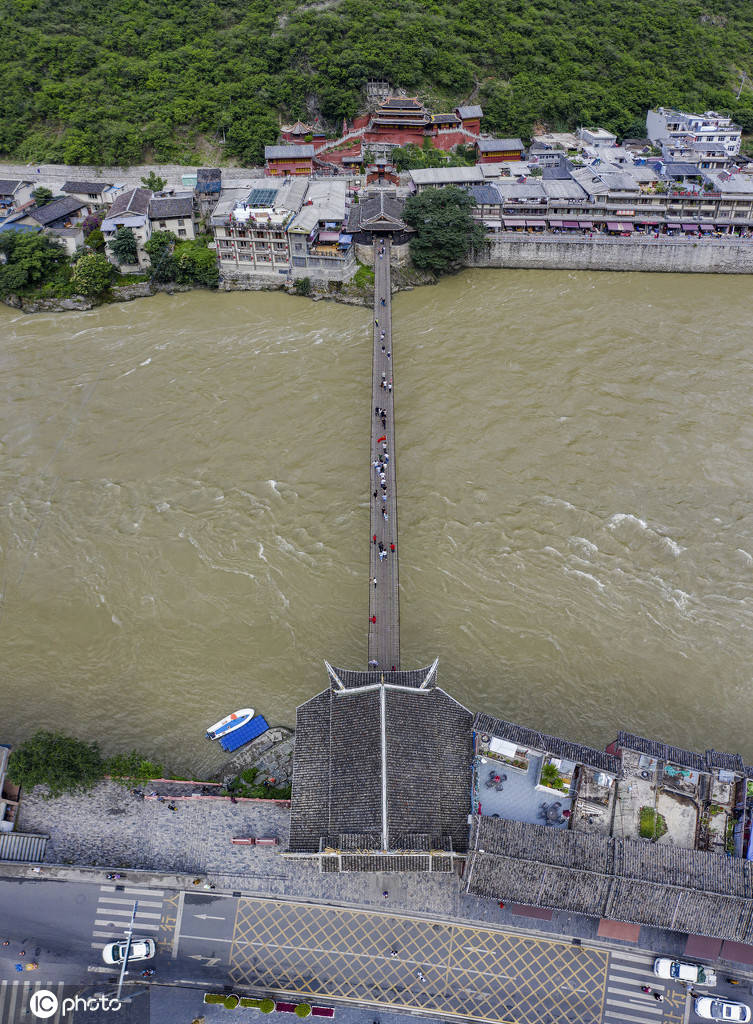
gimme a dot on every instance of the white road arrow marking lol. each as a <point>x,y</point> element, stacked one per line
<point>211,961</point>
<point>209,917</point>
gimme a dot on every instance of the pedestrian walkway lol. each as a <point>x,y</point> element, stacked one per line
<point>15,996</point>
<point>625,1003</point>
<point>113,914</point>
<point>384,604</point>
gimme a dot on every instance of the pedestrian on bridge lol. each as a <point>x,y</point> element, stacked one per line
<point>374,580</point>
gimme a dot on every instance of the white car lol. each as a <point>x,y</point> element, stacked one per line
<point>680,970</point>
<point>712,1008</point>
<point>141,949</point>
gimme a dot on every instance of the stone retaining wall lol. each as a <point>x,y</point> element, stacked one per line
<point>680,255</point>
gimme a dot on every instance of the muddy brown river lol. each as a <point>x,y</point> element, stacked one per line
<point>184,521</point>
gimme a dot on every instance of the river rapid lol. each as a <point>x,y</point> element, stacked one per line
<point>184,521</point>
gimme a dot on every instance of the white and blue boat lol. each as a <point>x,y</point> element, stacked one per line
<point>230,723</point>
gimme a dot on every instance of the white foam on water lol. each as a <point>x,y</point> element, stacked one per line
<point>273,485</point>
<point>162,506</point>
<point>552,551</point>
<point>116,620</point>
<point>674,547</point>
<point>585,575</point>
<point>748,557</point>
<point>146,362</point>
<point>261,553</point>
<point>583,542</point>
<point>626,517</point>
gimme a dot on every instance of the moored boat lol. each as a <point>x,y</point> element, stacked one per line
<point>230,723</point>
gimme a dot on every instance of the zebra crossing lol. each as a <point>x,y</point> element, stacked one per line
<point>624,1003</point>
<point>15,996</point>
<point>113,914</point>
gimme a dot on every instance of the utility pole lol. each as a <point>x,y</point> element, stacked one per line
<point>129,937</point>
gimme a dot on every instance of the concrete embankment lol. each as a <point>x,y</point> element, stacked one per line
<point>653,255</point>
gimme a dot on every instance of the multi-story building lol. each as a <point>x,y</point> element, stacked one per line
<point>173,213</point>
<point>284,160</point>
<point>319,245</point>
<point>666,123</point>
<point>130,210</point>
<point>597,138</point>
<point>251,231</point>
<point>499,150</point>
<point>93,193</point>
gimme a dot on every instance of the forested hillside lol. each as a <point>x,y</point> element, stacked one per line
<point>116,81</point>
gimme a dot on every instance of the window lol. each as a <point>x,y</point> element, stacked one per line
<point>181,231</point>
<point>162,224</point>
<point>181,221</point>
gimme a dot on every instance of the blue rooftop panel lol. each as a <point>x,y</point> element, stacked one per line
<point>245,734</point>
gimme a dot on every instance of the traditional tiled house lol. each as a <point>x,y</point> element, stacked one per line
<point>173,213</point>
<point>130,210</point>
<point>284,160</point>
<point>380,778</point>
<point>14,194</point>
<point>93,193</point>
<point>499,150</point>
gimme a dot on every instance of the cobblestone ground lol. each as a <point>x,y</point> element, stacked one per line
<point>113,829</point>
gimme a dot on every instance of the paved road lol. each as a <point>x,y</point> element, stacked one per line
<point>324,952</point>
<point>384,603</point>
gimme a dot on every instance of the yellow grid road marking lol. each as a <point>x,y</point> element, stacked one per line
<point>473,972</point>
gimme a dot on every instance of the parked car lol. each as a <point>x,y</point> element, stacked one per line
<point>141,949</point>
<point>712,1008</point>
<point>680,970</point>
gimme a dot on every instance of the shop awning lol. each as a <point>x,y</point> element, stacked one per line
<point>346,239</point>
<point>585,223</point>
<point>569,223</point>
<point>642,220</point>
<point>555,223</point>
<point>515,222</point>
<point>707,227</point>
<point>492,223</point>
<point>612,225</point>
<point>690,227</point>
<point>329,236</point>
<point>535,223</point>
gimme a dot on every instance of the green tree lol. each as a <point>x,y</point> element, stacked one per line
<point>159,249</point>
<point>133,767</point>
<point>445,230</point>
<point>303,286</point>
<point>30,260</point>
<point>96,240</point>
<point>92,274</point>
<point>42,196</point>
<point>154,182</point>
<point>62,763</point>
<point>123,246</point>
<point>196,264</point>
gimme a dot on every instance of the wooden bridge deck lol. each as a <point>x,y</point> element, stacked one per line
<point>384,603</point>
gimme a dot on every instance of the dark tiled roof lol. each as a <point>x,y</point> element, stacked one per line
<point>499,145</point>
<point>353,679</point>
<point>485,195</point>
<point>8,187</point>
<point>86,187</point>
<point>159,209</point>
<point>381,207</point>
<point>288,152</point>
<point>529,738</point>
<point>662,751</point>
<point>56,210</point>
<point>135,201</point>
<point>338,772</point>
<point>729,762</point>
<point>208,174</point>
<point>411,103</point>
<point>376,863</point>
<point>444,119</point>
<point>474,110</point>
<point>627,880</point>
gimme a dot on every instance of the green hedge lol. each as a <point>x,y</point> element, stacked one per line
<point>303,1010</point>
<point>254,1003</point>
<point>213,998</point>
<point>266,1006</point>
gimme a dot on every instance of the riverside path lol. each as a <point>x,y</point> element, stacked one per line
<point>384,602</point>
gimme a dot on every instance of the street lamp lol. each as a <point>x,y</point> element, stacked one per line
<point>129,938</point>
